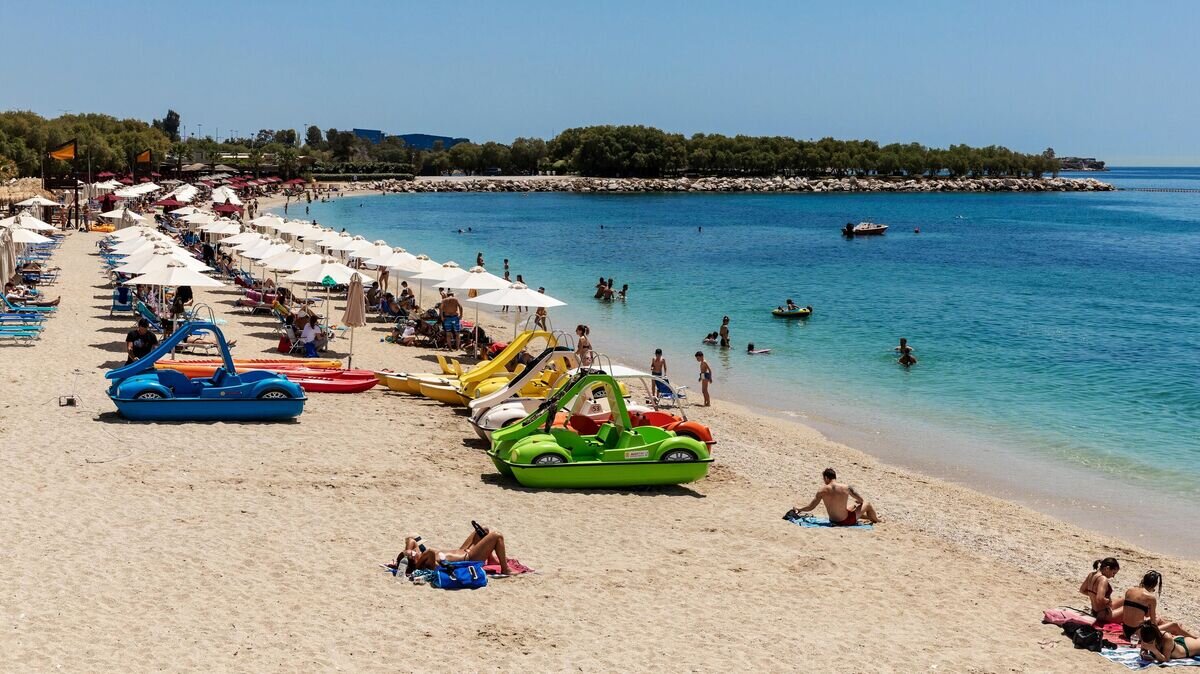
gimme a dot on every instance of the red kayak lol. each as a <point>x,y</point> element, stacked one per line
<point>332,381</point>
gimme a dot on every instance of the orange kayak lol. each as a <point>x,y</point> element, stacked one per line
<point>204,367</point>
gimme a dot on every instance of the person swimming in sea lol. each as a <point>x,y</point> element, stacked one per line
<point>710,338</point>
<point>754,352</point>
<point>907,359</point>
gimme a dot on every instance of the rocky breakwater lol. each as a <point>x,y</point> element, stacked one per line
<point>777,184</point>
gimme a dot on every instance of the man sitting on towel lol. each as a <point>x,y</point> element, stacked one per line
<point>836,498</point>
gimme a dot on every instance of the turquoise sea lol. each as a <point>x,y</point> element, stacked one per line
<point>1060,327</point>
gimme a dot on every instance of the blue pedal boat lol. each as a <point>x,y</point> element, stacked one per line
<point>142,393</point>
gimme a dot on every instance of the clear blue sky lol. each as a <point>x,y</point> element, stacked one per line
<point>1116,80</point>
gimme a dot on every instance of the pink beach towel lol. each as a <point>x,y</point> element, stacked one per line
<point>516,567</point>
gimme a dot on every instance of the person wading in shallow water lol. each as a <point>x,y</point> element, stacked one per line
<point>724,332</point>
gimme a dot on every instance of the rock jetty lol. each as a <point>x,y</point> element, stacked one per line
<point>776,184</point>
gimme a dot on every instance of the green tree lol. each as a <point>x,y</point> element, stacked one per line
<point>312,137</point>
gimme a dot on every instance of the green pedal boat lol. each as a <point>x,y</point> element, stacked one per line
<point>542,451</point>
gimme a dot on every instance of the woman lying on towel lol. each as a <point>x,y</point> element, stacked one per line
<point>1099,591</point>
<point>481,546</point>
<point>1162,647</point>
<point>1141,606</point>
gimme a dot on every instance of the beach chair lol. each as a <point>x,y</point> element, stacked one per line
<point>22,319</point>
<point>22,309</point>
<point>122,300</point>
<point>23,337</point>
<point>143,311</point>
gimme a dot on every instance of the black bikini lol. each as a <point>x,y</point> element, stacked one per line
<point>1144,609</point>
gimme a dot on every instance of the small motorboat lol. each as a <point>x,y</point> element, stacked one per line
<point>143,393</point>
<point>540,453</point>
<point>798,312</point>
<point>863,229</point>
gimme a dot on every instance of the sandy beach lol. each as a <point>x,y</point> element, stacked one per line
<point>256,547</point>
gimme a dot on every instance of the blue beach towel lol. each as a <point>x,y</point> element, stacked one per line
<point>1131,658</point>
<point>810,522</point>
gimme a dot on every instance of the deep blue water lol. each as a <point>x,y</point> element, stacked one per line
<point>1058,325</point>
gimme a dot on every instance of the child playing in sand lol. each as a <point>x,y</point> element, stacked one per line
<point>705,377</point>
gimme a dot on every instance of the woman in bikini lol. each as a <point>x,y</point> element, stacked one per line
<point>487,548</point>
<point>1141,606</point>
<point>1162,647</point>
<point>1099,591</point>
<point>583,348</point>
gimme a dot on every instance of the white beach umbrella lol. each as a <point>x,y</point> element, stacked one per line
<point>355,243</point>
<point>224,229</point>
<point>444,271</point>
<point>328,272</point>
<point>186,210</point>
<point>479,279</point>
<point>175,273</point>
<point>249,243</point>
<point>136,232</point>
<point>131,246</point>
<point>20,235</point>
<point>375,249</point>
<point>121,214</point>
<point>267,221</point>
<point>26,221</point>
<point>237,239</point>
<point>159,260</point>
<point>39,201</point>
<point>394,257</point>
<point>515,295</point>
<point>266,250</point>
<point>291,260</point>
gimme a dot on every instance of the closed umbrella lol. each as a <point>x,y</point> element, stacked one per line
<point>356,312</point>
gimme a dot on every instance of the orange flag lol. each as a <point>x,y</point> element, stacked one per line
<point>65,152</point>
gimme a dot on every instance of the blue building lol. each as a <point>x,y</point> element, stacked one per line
<point>418,141</point>
<point>374,136</point>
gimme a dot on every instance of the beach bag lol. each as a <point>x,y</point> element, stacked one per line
<point>285,344</point>
<point>1088,638</point>
<point>466,575</point>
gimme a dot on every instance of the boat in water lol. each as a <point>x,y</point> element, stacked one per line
<point>863,229</point>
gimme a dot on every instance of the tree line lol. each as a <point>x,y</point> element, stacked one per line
<point>108,143</point>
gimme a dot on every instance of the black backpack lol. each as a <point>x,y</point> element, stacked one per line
<point>1088,638</point>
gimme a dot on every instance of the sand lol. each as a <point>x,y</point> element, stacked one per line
<point>255,547</point>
